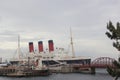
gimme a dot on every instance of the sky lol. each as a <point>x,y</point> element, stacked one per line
<point>43,20</point>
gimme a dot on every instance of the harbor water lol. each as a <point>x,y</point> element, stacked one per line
<point>100,75</point>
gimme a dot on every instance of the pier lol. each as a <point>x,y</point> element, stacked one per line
<point>101,62</point>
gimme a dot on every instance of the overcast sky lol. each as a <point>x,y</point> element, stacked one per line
<point>41,20</point>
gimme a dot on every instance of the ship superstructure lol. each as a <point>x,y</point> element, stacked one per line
<point>55,56</point>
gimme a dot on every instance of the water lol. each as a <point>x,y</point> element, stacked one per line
<point>100,75</point>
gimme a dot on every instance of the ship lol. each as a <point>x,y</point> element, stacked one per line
<point>57,56</point>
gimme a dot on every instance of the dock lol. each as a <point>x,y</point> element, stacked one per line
<point>71,69</point>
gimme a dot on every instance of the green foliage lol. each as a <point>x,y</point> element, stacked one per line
<point>111,71</point>
<point>114,34</point>
<point>116,45</point>
<point>116,64</point>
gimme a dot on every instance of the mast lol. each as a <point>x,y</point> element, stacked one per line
<point>73,53</point>
<point>19,46</point>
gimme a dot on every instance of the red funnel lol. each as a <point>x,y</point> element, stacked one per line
<point>51,45</point>
<point>40,46</point>
<point>31,47</point>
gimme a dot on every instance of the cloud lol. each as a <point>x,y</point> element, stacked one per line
<point>42,20</point>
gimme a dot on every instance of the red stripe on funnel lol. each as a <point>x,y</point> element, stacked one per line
<point>31,47</point>
<point>51,45</point>
<point>40,46</point>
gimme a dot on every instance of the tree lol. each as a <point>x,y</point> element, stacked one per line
<point>114,34</point>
